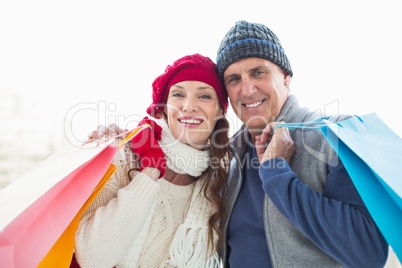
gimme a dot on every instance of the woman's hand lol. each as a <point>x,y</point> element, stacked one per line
<point>111,131</point>
<point>146,147</point>
<point>144,144</point>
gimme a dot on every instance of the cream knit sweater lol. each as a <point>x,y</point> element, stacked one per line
<point>170,211</point>
<point>132,223</point>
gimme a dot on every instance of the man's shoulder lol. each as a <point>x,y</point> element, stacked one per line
<point>318,117</point>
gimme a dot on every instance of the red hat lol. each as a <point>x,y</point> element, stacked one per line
<point>189,68</point>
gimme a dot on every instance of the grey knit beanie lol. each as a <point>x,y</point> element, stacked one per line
<point>246,40</point>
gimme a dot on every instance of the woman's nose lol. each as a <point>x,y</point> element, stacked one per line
<point>190,105</point>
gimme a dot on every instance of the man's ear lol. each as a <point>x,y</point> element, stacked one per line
<point>287,80</point>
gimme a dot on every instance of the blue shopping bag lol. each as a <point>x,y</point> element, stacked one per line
<point>372,154</point>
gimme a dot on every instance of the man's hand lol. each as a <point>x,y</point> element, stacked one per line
<point>280,145</point>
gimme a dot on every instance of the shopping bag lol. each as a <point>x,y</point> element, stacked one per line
<point>39,213</point>
<point>36,209</point>
<point>372,154</point>
<point>61,253</point>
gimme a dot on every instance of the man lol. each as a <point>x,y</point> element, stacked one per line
<point>290,201</point>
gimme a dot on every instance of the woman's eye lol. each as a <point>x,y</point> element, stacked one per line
<point>177,95</point>
<point>205,96</point>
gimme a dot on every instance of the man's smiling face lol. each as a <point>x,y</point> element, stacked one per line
<point>257,90</point>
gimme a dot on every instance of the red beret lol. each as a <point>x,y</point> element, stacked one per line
<point>189,68</point>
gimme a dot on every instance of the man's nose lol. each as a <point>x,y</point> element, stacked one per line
<point>248,88</point>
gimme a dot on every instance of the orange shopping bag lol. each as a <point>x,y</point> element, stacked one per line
<point>39,213</point>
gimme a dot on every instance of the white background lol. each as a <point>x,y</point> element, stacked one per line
<point>77,64</point>
<point>93,62</point>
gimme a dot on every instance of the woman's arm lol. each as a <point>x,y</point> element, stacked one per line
<point>110,224</point>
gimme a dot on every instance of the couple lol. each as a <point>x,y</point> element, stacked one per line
<point>174,202</point>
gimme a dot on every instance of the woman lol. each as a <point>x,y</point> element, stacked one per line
<point>139,220</point>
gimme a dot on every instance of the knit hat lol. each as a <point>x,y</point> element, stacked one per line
<point>246,40</point>
<point>189,68</point>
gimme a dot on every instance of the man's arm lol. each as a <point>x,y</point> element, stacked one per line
<point>337,221</point>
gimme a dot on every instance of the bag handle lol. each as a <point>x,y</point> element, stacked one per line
<point>130,134</point>
<point>319,122</point>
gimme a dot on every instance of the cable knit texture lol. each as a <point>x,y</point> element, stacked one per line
<point>171,210</point>
<point>143,223</point>
<point>181,158</point>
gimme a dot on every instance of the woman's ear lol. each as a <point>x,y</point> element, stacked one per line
<point>163,115</point>
<point>220,115</point>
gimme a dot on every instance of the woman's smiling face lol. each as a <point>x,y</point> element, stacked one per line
<point>192,110</point>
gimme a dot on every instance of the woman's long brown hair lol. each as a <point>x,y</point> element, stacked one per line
<point>217,176</point>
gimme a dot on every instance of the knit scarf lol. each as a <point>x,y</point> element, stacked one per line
<point>180,157</point>
<point>189,247</point>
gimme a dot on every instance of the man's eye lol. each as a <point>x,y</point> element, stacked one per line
<point>257,73</point>
<point>232,80</point>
